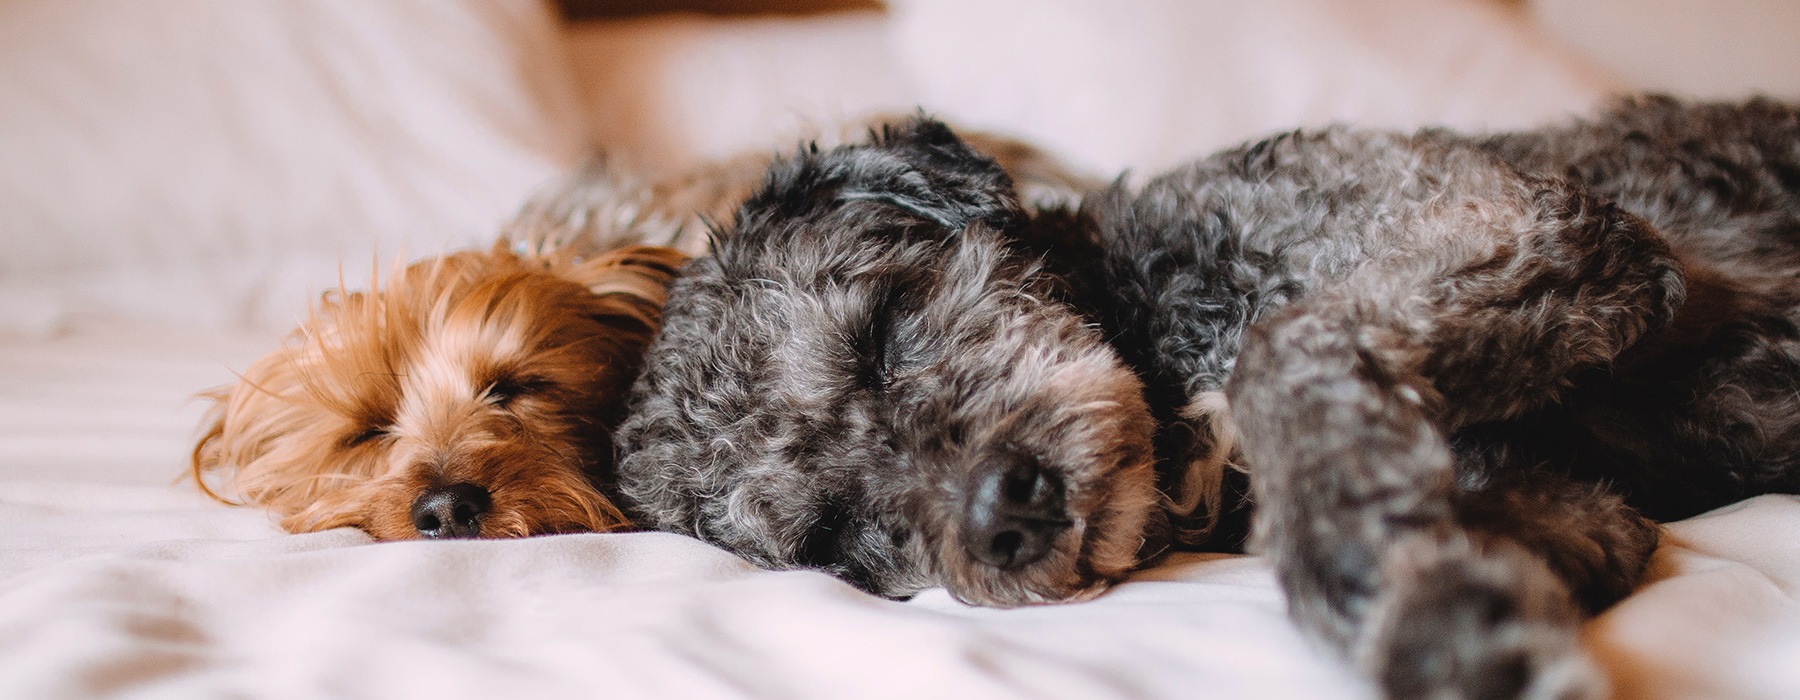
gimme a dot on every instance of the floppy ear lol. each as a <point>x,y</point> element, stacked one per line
<point>206,455</point>
<point>631,282</point>
<point>917,165</point>
<point>942,178</point>
<point>245,421</point>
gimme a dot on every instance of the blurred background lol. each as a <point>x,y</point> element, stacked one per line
<point>215,163</point>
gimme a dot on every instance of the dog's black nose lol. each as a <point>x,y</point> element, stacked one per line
<point>450,511</point>
<point>1015,513</point>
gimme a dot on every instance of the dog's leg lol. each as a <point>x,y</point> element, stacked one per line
<point>1490,612</point>
<point>1594,543</point>
<point>1343,400</point>
<point>1356,499</point>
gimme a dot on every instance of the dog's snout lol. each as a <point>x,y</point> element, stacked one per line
<point>1015,513</point>
<point>450,511</point>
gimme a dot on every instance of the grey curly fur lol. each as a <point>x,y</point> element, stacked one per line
<point>1462,373</point>
<point>864,346</point>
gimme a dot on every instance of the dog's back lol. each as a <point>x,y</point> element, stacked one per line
<point>1706,412</point>
<point>1430,350</point>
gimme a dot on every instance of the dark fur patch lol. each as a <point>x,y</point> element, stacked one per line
<point>872,335</point>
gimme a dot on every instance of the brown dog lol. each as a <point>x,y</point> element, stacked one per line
<point>475,394</point>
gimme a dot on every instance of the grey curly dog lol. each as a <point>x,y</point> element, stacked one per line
<point>1458,376</point>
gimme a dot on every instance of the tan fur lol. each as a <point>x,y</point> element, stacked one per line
<point>383,394</point>
<point>1202,484</point>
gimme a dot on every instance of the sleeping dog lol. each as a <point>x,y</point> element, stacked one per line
<point>1462,373</point>
<point>472,394</point>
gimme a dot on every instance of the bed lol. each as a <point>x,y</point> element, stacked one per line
<point>182,176</point>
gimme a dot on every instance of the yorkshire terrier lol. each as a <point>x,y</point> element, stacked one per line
<point>475,394</point>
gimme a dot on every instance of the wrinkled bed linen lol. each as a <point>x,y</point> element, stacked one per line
<point>117,581</point>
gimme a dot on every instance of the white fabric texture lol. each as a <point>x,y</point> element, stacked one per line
<point>211,162</point>
<point>114,582</point>
<point>184,165</point>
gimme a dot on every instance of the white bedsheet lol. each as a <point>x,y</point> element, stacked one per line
<point>114,581</point>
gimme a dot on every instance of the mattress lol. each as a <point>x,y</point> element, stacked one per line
<point>117,579</point>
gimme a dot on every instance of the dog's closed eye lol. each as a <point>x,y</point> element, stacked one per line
<point>875,345</point>
<point>505,389</point>
<point>367,435</point>
<point>882,342</point>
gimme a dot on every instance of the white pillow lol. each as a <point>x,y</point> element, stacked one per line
<point>1720,49</point>
<point>212,162</point>
<point>1148,83</point>
<point>673,90</point>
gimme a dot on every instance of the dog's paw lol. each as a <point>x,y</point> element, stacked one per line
<point>1456,623</point>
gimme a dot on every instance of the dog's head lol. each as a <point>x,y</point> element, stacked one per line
<point>870,379</point>
<point>473,396</point>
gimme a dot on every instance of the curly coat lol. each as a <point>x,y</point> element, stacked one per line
<point>1458,375</point>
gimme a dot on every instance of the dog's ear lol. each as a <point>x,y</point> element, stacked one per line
<point>206,455</point>
<point>917,165</point>
<point>949,183</point>
<point>244,422</point>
